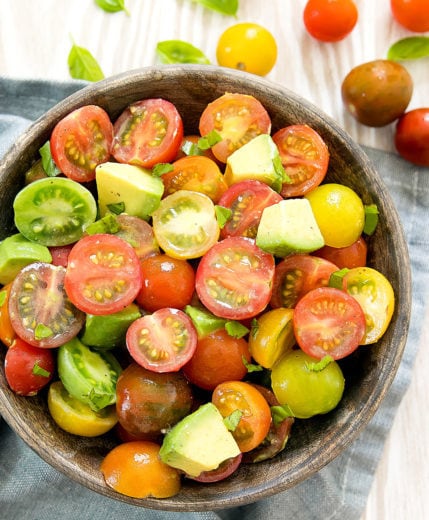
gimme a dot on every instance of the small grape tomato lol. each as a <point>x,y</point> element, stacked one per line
<point>255,420</point>
<point>82,140</point>
<point>374,293</point>
<point>330,20</point>
<point>297,274</point>
<point>350,256</point>
<point>147,132</point>
<point>103,274</point>
<point>163,341</point>
<point>412,136</point>
<point>328,321</point>
<point>40,310</point>
<point>185,224</point>
<point>28,369</point>
<point>246,200</point>
<point>77,418</point>
<point>195,173</point>
<point>135,469</point>
<point>305,157</point>
<point>234,279</point>
<point>237,118</point>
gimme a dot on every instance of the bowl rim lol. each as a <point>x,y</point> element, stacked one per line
<point>348,432</point>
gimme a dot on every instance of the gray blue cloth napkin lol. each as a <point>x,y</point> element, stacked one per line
<point>31,489</point>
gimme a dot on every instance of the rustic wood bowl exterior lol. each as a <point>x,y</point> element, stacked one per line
<point>369,371</point>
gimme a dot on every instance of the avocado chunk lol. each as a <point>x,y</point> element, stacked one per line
<point>289,227</point>
<point>16,252</point>
<point>131,187</point>
<point>199,442</point>
<point>259,159</point>
<point>109,330</point>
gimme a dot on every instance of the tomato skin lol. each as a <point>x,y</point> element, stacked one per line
<point>351,256</point>
<point>246,200</point>
<point>134,469</point>
<point>328,321</point>
<point>217,358</point>
<point>149,402</point>
<point>237,118</point>
<point>167,282</point>
<point>305,157</point>
<point>330,20</point>
<point>412,136</point>
<point>60,254</point>
<point>411,14</point>
<point>247,46</point>
<point>255,421</point>
<point>163,341</point>
<point>7,332</point>
<point>147,132</point>
<point>225,470</point>
<point>103,274</point>
<point>85,135</point>
<point>234,278</point>
<point>22,364</point>
<point>139,234</point>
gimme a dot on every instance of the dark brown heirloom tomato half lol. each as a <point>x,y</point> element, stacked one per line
<point>377,92</point>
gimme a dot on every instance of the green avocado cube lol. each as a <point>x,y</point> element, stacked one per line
<point>289,227</point>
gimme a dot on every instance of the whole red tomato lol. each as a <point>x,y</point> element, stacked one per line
<point>411,14</point>
<point>412,136</point>
<point>330,20</point>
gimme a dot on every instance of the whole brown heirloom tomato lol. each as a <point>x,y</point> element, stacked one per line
<point>377,92</point>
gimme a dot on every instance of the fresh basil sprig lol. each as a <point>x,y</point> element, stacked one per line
<point>112,6</point>
<point>411,48</point>
<point>229,7</point>
<point>83,65</point>
<point>178,51</point>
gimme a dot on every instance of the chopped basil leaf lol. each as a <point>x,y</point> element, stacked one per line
<point>254,327</point>
<point>371,219</point>
<point>319,365</point>
<point>48,164</point>
<point>83,65</point>
<point>3,296</point>
<point>222,215</point>
<point>39,371</point>
<point>117,208</point>
<point>411,48</point>
<point>282,175</point>
<point>232,420</point>
<point>190,148</point>
<point>251,367</point>
<point>42,331</point>
<point>236,329</point>
<point>112,6</point>
<point>280,413</point>
<point>108,224</point>
<point>229,7</point>
<point>178,51</point>
<point>161,168</point>
<point>209,140</point>
<point>336,278</point>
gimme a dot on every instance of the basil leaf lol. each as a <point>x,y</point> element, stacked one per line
<point>411,48</point>
<point>236,329</point>
<point>178,51</point>
<point>251,367</point>
<point>231,421</point>
<point>159,169</point>
<point>112,6</point>
<point>117,208</point>
<point>83,65</point>
<point>229,7</point>
<point>48,163</point>
<point>336,278</point>
<point>222,215</point>
<point>40,371</point>
<point>371,219</point>
<point>319,365</point>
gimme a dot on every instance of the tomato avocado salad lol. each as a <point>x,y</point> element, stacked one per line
<point>190,294</point>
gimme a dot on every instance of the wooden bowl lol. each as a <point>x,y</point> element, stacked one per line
<point>369,371</point>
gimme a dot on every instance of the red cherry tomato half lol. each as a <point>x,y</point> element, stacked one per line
<point>234,278</point>
<point>246,200</point>
<point>237,118</point>
<point>81,141</point>
<point>305,157</point>
<point>147,132</point>
<point>412,136</point>
<point>350,256</point>
<point>330,20</point>
<point>139,234</point>
<point>103,274</point>
<point>328,321</point>
<point>60,254</point>
<point>163,341</point>
<point>411,14</point>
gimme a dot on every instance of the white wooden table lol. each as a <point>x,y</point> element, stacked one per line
<point>35,39</point>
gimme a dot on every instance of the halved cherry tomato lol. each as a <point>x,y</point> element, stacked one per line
<point>80,141</point>
<point>163,341</point>
<point>185,224</point>
<point>28,369</point>
<point>75,417</point>
<point>298,274</point>
<point>330,20</point>
<point>60,254</point>
<point>135,470</point>
<point>167,282</point>
<point>195,173</point>
<point>328,321</point>
<point>255,420</point>
<point>305,157</point>
<point>103,274</point>
<point>237,118</point>
<point>223,471</point>
<point>234,279</point>
<point>7,332</point>
<point>374,293</point>
<point>246,200</point>
<point>349,256</point>
<point>40,310</point>
<point>217,358</point>
<point>147,132</point>
<point>138,233</point>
